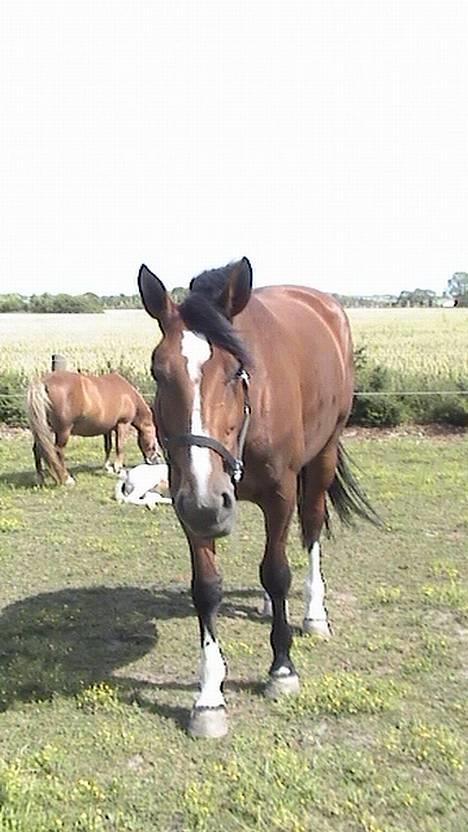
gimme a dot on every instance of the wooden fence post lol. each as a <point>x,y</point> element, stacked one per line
<point>59,362</point>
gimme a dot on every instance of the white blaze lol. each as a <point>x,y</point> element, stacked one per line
<point>196,349</point>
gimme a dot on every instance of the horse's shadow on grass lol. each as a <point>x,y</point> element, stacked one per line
<point>27,479</point>
<point>63,642</point>
<point>19,479</point>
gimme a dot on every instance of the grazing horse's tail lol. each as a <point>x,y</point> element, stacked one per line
<point>347,496</point>
<point>38,406</point>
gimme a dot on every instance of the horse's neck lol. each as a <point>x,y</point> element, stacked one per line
<point>142,411</point>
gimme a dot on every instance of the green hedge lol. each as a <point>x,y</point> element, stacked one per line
<point>13,399</point>
<point>386,408</point>
<point>376,410</point>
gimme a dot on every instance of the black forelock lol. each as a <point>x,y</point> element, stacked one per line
<point>203,312</point>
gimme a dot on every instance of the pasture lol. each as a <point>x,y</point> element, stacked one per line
<point>99,653</point>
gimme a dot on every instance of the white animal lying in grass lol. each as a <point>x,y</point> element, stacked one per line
<point>135,485</point>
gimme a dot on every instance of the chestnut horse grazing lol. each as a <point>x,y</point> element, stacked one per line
<point>253,392</point>
<point>64,403</point>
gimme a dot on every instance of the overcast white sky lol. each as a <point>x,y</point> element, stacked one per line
<point>326,140</point>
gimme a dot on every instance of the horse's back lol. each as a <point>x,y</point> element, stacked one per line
<point>301,328</point>
<point>302,353</point>
<point>65,393</point>
<point>89,404</point>
<point>305,315</point>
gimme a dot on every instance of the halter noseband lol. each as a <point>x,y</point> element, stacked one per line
<point>234,464</point>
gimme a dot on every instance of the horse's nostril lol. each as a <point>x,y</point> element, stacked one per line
<point>227,500</point>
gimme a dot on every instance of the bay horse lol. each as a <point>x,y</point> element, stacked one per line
<point>253,392</point>
<point>65,403</point>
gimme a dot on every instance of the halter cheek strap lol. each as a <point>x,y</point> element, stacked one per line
<point>234,464</point>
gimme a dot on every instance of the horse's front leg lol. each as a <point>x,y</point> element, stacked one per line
<point>208,717</point>
<point>122,431</point>
<point>107,452</point>
<point>275,576</point>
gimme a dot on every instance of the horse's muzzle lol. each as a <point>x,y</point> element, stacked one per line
<point>154,459</point>
<point>210,517</point>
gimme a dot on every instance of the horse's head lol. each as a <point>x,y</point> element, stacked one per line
<point>147,442</point>
<point>201,403</point>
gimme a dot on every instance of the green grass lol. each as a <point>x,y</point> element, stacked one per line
<point>99,655</point>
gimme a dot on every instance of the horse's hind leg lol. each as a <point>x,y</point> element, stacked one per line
<point>38,463</point>
<point>314,481</point>
<point>61,439</point>
<point>108,451</point>
<point>121,435</point>
<point>275,576</point>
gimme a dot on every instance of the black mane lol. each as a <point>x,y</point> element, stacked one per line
<point>203,312</point>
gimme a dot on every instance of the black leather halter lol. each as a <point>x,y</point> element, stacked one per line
<point>234,464</point>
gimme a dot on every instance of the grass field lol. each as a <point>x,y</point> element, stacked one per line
<point>417,345</point>
<point>99,653</point>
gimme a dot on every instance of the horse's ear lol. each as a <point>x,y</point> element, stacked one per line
<point>238,287</point>
<point>154,296</point>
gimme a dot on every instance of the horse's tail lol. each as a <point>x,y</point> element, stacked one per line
<point>347,496</point>
<point>39,407</point>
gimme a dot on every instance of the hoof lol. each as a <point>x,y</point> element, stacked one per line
<point>316,627</point>
<point>278,686</point>
<point>208,722</point>
<point>70,481</point>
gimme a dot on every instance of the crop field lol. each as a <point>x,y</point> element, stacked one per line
<point>92,343</point>
<point>419,346</point>
<point>99,655</point>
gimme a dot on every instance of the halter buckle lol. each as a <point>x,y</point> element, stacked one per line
<point>244,376</point>
<point>237,470</point>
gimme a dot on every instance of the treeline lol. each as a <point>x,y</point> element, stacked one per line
<point>51,303</point>
<point>455,293</point>
<point>88,302</point>
<point>417,297</point>
<point>91,303</point>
